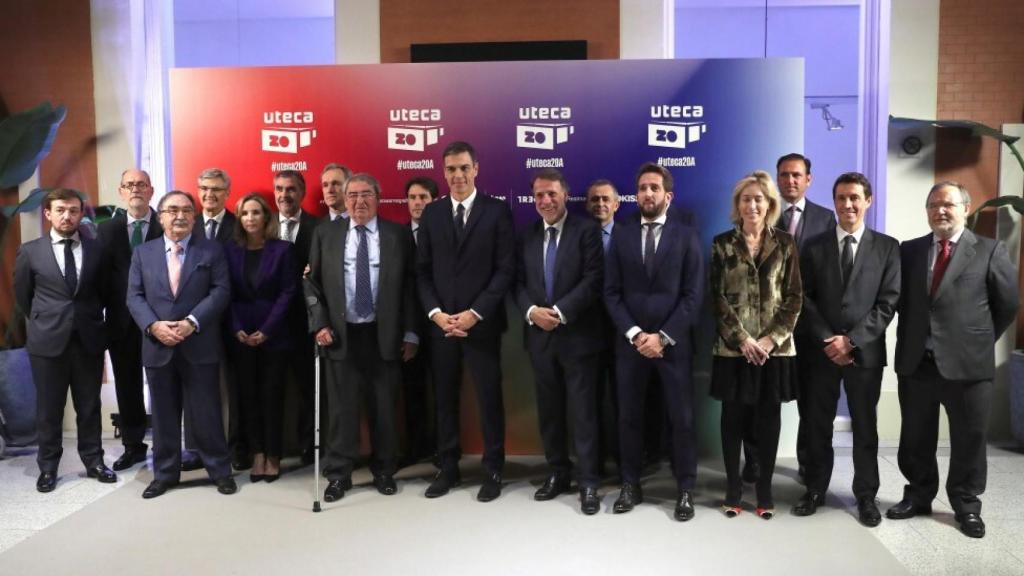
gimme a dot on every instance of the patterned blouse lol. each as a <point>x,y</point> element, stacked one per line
<point>755,297</point>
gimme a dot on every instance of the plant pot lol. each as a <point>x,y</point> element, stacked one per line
<point>17,398</point>
<point>1016,389</point>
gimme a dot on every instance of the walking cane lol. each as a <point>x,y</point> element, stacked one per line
<point>314,297</point>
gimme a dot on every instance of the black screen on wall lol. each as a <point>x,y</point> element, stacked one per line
<point>499,51</point>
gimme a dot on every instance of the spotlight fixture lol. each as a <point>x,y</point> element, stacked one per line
<point>831,122</point>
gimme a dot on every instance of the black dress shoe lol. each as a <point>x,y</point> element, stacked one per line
<point>102,473</point>
<point>971,525</point>
<point>867,512</point>
<point>441,484</point>
<point>226,485</point>
<point>156,488</point>
<point>336,489</point>
<point>385,484</point>
<point>553,486</point>
<point>629,497</point>
<point>907,509</point>
<point>590,504</point>
<point>751,471</point>
<point>490,489</point>
<point>808,503</point>
<point>190,462</point>
<point>241,462</point>
<point>256,478</point>
<point>47,481</point>
<point>684,506</point>
<point>269,478</point>
<point>132,455</point>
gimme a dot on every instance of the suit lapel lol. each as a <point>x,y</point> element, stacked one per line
<point>535,245</point>
<point>867,243</point>
<point>963,253</point>
<point>388,247</point>
<point>474,216</point>
<point>155,230</point>
<point>191,257</point>
<point>564,241</point>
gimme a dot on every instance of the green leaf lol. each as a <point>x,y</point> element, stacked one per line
<point>29,204</point>
<point>25,139</point>
<point>1015,202</point>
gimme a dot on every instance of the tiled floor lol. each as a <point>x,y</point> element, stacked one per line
<point>925,546</point>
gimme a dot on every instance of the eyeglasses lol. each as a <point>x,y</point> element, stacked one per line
<point>176,211</point>
<point>211,189</point>
<point>936,206</point>
<point>134,185</point>
<point>363,194</point>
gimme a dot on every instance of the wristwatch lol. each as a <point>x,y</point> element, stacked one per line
<point>195,327</point>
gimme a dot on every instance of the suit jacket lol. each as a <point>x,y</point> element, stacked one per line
<point>579,283</point>
<point>862,309</point>
<point>814,221</point>
<point>117,253</point>
<point>52,313</point>
<point>298,321</point>
<point>262,307</point>
<point>225,230</point>
<point>669,301</point>
<point>976,301</point>
<point>475,273</point>
<point>204,292</point>
<point>395,305</point>
<point>755,297</point>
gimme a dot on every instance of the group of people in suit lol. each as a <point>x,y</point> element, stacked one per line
<point>801,301</point>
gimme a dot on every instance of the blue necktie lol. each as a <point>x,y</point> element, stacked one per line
<point>549,264</point>
<point>606,239</point>
<point>364,292</point>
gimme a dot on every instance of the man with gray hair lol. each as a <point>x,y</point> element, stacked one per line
<point>332,183</point>
<point>959,293</point>
<point>366,325</point>
<point>215,222</point>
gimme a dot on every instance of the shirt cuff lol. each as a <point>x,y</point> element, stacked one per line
<point>561,317</point>
<point>632,332</point>
<point>475,313</point>
<point>528,312</point>
<point>430,314</point>
<point>671,342</point>
<point>194,321</point>
<point>411,338</point>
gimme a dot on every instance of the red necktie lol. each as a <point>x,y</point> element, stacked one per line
<point>941,263</point>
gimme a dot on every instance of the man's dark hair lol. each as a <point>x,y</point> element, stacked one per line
<point>853,178</point>
<point>296,177</point>
<point>62,194</point>
<point>191,200</point>
<point>794,156</point>
<point>423,181</point>
<point>551,175</point>
<point>458,147</point>
<point>651,168</point>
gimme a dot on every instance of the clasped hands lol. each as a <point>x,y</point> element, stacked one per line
<point>455,325</point>
<point>757,351</point>
<point>649,345</point>
<point>547,319</point>
<point>839,350</point>
<point>171,333</point>
<point>254,339</point>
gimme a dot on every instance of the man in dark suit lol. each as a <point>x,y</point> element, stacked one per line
<point>421,438</point>
<point>559,284</point>
<point>851,284</point>
<point>654,283</point>
<point>119,236</point>
<point>959,293</point>
<point>803,220</point>
<point>297,226</point>
<point>60,282</point>
<point>332,184</point>
<point>215,222</point>
<point>465,266</point>
<point>178,288</point>
<point>364,265</point>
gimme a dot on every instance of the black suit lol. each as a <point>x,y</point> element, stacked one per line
<point>945,355</point>
<point>225,230</point>
<point>125,339</point>
<point>667,302</point>
<point>814,221</point>
<point>300,369</point>
<point>66,338</point>
<point>420,436</point>
<point>365,356</point>
<point>860,308</point>
<point>565,360</point>
<point>455,275</point>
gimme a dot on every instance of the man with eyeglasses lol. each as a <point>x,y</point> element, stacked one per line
<point>178,289</point>
<point>297,226</point>
<point>136,223</point>
<point>959,293</point>
<point>60,282</point>
<point>366,324</point>
<point>215,222</point>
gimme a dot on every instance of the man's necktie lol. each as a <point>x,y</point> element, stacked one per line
<point>794,220</point>
<point>174,268</point>
<point>460,221</point>
<point>549,264</point>
<point>211,229</point>
<point>70,272</point>
<point>137,233</point>
<point>606,239</point>
<point>649,248</point>
<point>364,292</point>
<point>288,224</point>
<point>941,263</point>
<point>416,235</point>
<point>847,258</point>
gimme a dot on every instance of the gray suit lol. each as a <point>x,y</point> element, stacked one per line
<point>945,355</point>
<point>66,339</point>
<point>365,357</point>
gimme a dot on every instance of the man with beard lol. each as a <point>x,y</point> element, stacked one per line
<point>297,226</point>
<point>654,283</point>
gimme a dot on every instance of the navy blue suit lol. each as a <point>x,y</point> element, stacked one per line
<point>188,372</point>
<point>667,302</point>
